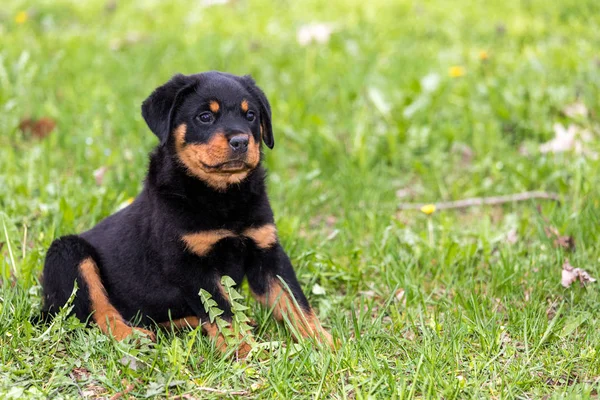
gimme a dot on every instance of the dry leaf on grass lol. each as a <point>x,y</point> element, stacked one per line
<point>38,128</point>
<point>512,237</point>
<point>99,175</point>
<point>575,110</point>
<point>128,389</point>
<point>80,374</point>
<point>400,296</point>
<point>571,274</point>
<point>572,138</point>
<point>564,241</point>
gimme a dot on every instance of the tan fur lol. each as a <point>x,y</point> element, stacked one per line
<point>214,106</point>
<point>104,313</point>
<point>253,155</point>
<point>305,322</point>
<point>182,323</point>
<point>244,105</point>
<point>212,153</point>
<point>243,348</point>
<point>222,291</point>
<point>202,242</point>
<point>264,236</point>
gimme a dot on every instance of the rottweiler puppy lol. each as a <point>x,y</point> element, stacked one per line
<point>203,213</point>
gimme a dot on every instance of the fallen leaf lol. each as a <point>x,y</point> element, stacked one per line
<point>39,128</point>
<point>128,389</point>
<point>402,193</point>
<point>564,241</point>
<point>575,110</point>
<point>93,391</point>
<point>572,138</point>
<point>464,150</point>
<point>409,335</point>
<point>317,33</point>
<point>512,236</point>
<point>400,296</point>
<point>80,374</point>
<point>99,175</point>
<point>368,293</point>
<point>330,220</point>
<point>571,274</point>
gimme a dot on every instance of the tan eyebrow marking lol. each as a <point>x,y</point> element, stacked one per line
<point>244,105</point>
<point>264,236</point>
<point>201,243</point>
<point>214,106</point>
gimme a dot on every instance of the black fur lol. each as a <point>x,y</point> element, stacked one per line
<point>148,273</point>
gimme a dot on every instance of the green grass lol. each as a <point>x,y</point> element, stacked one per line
<point>355,120</point>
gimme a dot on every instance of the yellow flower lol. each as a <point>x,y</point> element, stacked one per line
<point>21,17</point>
<point>428,209</point>
<point>457,71</point>
<point>129,200</point>
<point>483,55</point>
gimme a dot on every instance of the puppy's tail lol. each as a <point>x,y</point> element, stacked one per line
<point>61,271</point>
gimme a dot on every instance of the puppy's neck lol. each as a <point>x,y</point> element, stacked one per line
<point>169,178</point>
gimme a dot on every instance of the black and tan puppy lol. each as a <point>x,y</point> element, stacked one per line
<point>203,213</point>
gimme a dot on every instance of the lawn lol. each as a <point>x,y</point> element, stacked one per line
<point>405,101</point>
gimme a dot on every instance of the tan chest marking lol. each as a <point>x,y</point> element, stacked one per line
<point>202,242</point>
<point>264,236</point>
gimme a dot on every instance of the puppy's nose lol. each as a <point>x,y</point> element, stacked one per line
<point>239,143</point>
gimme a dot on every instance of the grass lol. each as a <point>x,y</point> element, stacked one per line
<point>377,109</point>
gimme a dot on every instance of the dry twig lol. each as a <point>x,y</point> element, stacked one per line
<point>211,390</point>
<point>480,201</point>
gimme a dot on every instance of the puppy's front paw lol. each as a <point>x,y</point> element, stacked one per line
<point>120,331</point>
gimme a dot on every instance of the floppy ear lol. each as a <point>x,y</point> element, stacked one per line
<point>158,109</point>
<point>265,110</point>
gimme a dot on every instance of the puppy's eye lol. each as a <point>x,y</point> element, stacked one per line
<point>206,117</point>
<point>250,116</point>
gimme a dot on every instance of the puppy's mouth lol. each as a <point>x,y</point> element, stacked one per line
<point>228,167</point>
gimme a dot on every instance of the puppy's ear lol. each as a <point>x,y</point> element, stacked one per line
<point>159,108</point>
<point>265,110</point>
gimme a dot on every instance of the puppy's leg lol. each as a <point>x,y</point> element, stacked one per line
<point>181,323</point>
<point>274,284</point>
<point>104,313</point>
<point>71,259</point>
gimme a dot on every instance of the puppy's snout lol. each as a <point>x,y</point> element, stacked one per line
<point>239,143</point>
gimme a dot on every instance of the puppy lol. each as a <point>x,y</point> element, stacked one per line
<point>203,213</point>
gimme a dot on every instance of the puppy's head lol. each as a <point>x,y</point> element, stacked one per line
<point>214,123</point>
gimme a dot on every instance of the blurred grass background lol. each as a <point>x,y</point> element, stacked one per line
<point>421,101</point>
